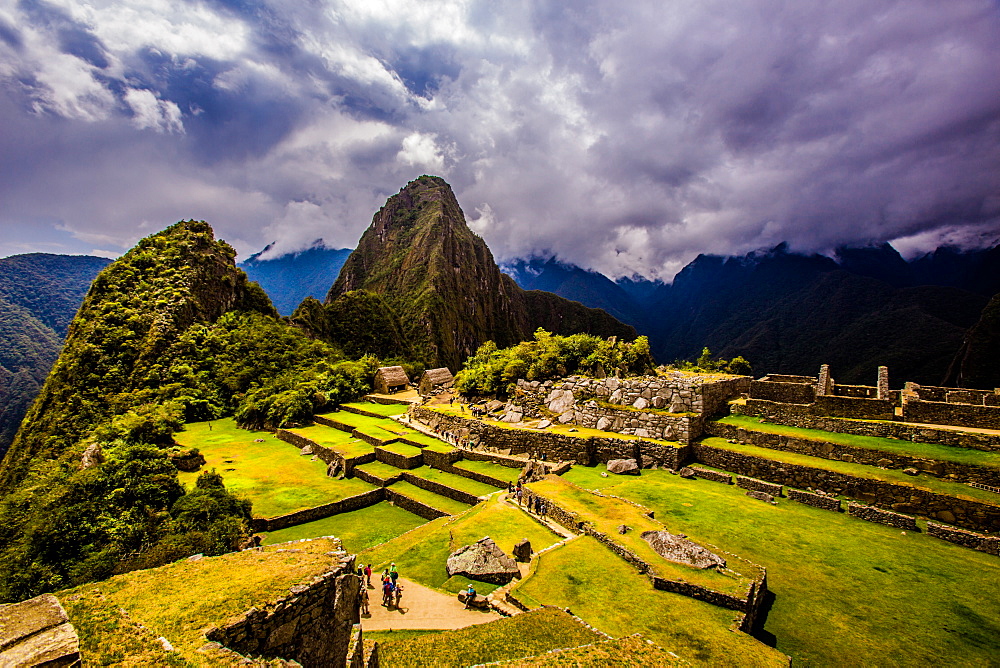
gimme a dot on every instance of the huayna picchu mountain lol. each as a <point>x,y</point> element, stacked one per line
<point>441,281</point>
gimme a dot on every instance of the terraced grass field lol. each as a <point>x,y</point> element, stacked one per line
<point>847,592</point>
<point>597,585</point>
<point>271,474</point>
<point>358,530</point>
<point>936,451</point>
<point>924,481</point>
<point>338,441</point>
<point>386,410</point>
<point>430,498</point>
<point>489,468</point>
<point>454,481</point>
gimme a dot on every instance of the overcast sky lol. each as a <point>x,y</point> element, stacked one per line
<point>623,136</point>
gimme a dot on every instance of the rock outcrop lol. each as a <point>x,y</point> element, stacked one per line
<point>483,561</point>
<point>623,467</point>
<point>36,632</point>
<point>677,548</point>
<point>522,551</point>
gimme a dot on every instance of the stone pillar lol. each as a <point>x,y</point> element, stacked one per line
<point>824,384</point>
<point>883,383</point>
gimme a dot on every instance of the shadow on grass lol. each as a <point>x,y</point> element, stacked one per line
<point>758,631</point>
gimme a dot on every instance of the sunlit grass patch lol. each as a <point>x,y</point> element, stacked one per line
<point>431,499</point>
<point>272,473</point>
<point>489,468</point>
<point>358,529</point>
<point>454,481</point>
<point>387,410</point>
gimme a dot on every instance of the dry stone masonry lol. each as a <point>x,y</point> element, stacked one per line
<point>755,485</point>
<point>969,539</point>
<point>816,500</point>
<point>36,632</point>
<point>887,517</point>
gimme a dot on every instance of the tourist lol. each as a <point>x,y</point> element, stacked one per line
<point>364,599</point>
<point>387,592</point>
<point>518,494</point>
<point>393,573</point>
<point>470,595</point>
<point>368,574</point>
<point>399,594</point>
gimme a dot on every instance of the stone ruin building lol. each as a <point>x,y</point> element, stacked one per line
<point>434,379</point>
<point>671,407</point>
<point>821,396</point>
<point>389,379</point>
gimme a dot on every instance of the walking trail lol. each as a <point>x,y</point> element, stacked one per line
<point>421,608</point>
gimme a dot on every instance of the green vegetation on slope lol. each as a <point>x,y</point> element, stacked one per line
<point>847,592</point>
<point>358,322</point>
<point>358,530</point>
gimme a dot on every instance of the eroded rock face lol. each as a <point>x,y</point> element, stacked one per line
<point>559,401</point>
<point>677,548</point>
<point>623,467</point>
<point>92,456</point>
<point>483,561</point>
<point>37,632</point>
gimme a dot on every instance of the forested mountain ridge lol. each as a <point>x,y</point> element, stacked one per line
<point>39,294</point>
<point>172,331</point>
<point>441,281</point>
<point>289,279</point>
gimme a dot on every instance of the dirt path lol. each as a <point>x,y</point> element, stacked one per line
<point>421,608</point>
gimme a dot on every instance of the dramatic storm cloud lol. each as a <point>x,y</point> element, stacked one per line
<point>626,137</point>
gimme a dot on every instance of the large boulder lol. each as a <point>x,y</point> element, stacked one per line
<point>483,561</point>
<point>478,600</point>
<point>623,467</point>
<point>559,401</point>
<point>677,548</point>
<point>522,551</point>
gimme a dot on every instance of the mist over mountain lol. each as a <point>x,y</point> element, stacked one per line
<point>289,279</point>
<point>39,295</point>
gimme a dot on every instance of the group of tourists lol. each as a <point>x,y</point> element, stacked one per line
<point>392,590</point>
<point>535,504</point>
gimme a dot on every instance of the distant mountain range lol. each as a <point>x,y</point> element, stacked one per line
<point>788,312</point>
<point>39,295</point>
<point>288,279</point>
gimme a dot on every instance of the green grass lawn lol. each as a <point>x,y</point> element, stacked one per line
<point>379,469</point>
<point>272,474</point>
<point>935,451</point>
<point>336,440</point>
<point>404,449</point>
<point>923,481</point>
<point>387,410</point>
<point>358,530</point>
<point>847,592</point>
<point>422,554</point>
<point>180,600</point>
<point>509,638</point>
<point>595,584</point>
<point>489,468</point>
<point>428,441</point>
<point>355,420</point>
<point>453,481</point>
<point>632,651</point>
<point>607,514</point>
<point>430,498</point>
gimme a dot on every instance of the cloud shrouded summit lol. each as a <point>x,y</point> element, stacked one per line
<point>626,137</point>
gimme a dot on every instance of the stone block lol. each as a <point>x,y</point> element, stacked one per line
<point>761,496</point>
<point>758,485</point>
<point>623,467</point>
<point>37,632</point>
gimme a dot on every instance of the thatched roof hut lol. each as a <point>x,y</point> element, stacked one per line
<point>435,378</point>
<point>389,379</point>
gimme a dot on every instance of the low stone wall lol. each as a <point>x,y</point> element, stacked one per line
<point>964,512</point>
<point>795,416</point>
<point>373,479</point>
<point>312,625</point>
<point>357,410</point>
<point>442,490</point>
<point>969,539</point>
<point>879,516</point>
<point>412,505</point>
<point>758,485</point>
<point>327,455</point>
<point>474,475</point>
<point>785,392</point>
<point>501,460</point>
<point>814,500</point>
<point>749,605</point>
<point>356,502</point>
<point>373,440</point>
<point>846,453</point>
<point>714,476</point>
<point>855,408</point>
<point>856,391</point>
<point>556,447</point>
<point>962,415</point>
<point>333,422</point>
<point>644,424</point>
<point>398,460</point>
<point>439,460</point>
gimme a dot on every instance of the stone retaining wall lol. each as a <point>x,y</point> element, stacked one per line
<point>967,513</point>
<point>312,624</point>
<point>373,479</point>
<point>814,500</point>
<point>412,505</point>
<point>784,392</point>
<point>441,459</point>
<point>333,422</point>
<point>758,485</point>
<point>714,476</point>
<point>795,417</point>
<point>556,447</point>
<point>969,539</point>
<point>474,475</point>
<point>357,410</point>
<point>887,517</point>
<point>440,489</point>
<point>327,455</point>
<point>847,453</point>
<point>398,460</point>
<point>855,408</point>
<point>963,415</point>
<point>356,502</point>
